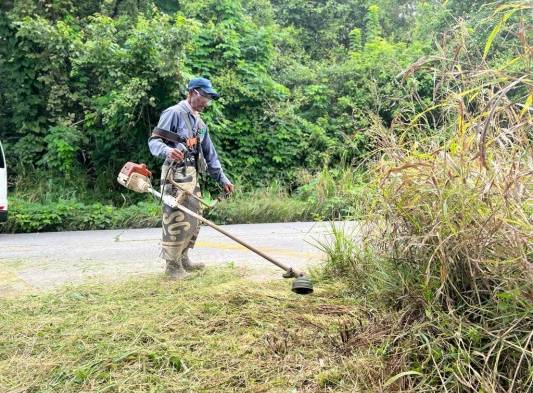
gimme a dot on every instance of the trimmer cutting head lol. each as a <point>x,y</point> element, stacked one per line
<point>302,285</point>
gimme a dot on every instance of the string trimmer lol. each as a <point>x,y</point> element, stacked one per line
<point>136,177</point>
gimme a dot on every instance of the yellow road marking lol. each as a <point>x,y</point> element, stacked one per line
<point>238,247</point>
<point>11,283</point>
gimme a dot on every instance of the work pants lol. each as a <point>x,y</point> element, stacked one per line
<point>179,229</point>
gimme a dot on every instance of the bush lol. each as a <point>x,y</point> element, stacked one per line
<point>39,207</point>
<point>71,215</point>
<point>268,204</point>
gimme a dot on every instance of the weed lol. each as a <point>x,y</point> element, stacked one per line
<point>448,240</point>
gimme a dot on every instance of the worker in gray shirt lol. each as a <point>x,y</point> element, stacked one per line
<point>182,139</point>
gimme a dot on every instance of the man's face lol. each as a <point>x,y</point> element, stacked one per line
<point>199,99</point>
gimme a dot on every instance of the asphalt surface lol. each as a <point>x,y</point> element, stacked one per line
<point>42,261</point>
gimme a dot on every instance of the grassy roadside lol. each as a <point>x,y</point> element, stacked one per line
<point>213,332</point>
<point>328,195</point>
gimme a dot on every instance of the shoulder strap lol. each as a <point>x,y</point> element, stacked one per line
<point>188,122</point>
<point>184,112</point>
<point>168,135</point>
<point>201,165</point>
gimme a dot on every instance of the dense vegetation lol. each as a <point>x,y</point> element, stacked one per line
<point>444,261</point>
<point>414,115</point>
<point>83,83</point>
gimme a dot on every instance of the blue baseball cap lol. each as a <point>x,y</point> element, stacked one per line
<point>203,84</point>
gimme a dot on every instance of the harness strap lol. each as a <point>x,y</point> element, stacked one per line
<point>168,135</point>
<point>192,143</point>
<point>201,165</point>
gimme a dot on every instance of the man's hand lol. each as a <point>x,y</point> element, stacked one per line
<point>175,154</point>
<point>228,188</point>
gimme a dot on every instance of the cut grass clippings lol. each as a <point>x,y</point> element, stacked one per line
<point>214,331</point>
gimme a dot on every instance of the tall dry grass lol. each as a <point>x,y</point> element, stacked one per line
<point>448,243</point>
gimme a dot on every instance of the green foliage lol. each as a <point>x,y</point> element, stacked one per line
<point>356,39</point>
<point>322,27</point>
<point>62,147</point>
<point>98,77</point>
<point>373,28</point>
<point>70,215</point>
<point>84,84</point>
<point>324,196</point>
<point>270,204</point>
<point>336,95</point>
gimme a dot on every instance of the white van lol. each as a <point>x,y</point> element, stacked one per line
<point>3,185</point>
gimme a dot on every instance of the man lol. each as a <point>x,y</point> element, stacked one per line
<point>182,139</point>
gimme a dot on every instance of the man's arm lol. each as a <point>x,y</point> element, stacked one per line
<point>158,148</point>
<point>169,121</point>
<point>213,163</point>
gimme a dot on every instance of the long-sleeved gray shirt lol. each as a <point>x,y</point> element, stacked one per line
<point>172,120</point>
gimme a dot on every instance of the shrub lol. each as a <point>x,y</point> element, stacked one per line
<point>45,206</point>
<point>70,215</point>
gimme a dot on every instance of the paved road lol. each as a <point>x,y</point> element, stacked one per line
<point>41,261</point>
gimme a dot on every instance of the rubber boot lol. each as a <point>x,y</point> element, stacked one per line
<point>188,264</point>
<point>175,271</point>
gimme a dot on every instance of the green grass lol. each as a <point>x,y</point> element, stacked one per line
<point>213,332</point>
<point>269,204</point>
<point>328,195</point>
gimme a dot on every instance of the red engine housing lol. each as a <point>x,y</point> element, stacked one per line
<point>132,167</point>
